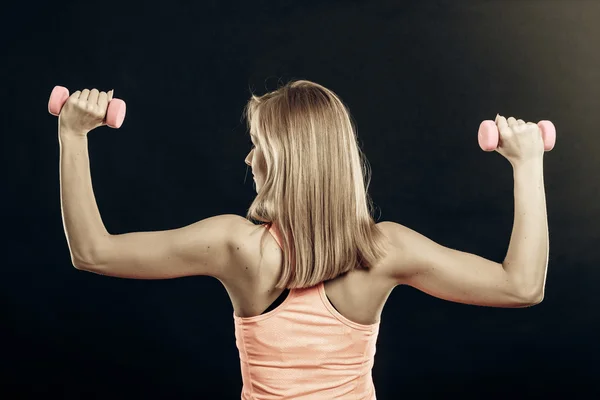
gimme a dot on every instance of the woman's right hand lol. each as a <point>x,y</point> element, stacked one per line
<point>519,141</point>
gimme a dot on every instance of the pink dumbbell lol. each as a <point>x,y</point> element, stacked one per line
<point>115,114</point>
<point>488,135</point>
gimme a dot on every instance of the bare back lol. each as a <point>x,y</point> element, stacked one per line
<point>358,295</point>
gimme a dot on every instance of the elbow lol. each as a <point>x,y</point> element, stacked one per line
<point>81,265</point>
<point>87,260</point>
<point>539,298</point>
<point>77,263</point>
<point>533,297</point>
<point>534,301</point>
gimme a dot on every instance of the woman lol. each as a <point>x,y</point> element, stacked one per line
<point>309,283</point>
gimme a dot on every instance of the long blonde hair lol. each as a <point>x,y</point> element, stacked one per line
<point>315,190</point>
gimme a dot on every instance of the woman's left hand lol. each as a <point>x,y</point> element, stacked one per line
<point>84,111</point>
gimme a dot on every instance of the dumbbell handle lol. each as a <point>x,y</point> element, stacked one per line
<point>488,135</point>
<point>115,113</point>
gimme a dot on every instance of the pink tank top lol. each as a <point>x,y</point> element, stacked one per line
<point>305,349</point>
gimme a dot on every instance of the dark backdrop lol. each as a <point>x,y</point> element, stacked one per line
<point>418,77</point>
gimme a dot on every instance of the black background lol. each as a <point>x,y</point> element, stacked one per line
<point>418,77</point>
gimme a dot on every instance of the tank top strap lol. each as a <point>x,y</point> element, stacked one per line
<point>274,231</point>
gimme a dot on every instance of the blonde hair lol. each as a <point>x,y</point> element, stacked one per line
<point>315,189</point>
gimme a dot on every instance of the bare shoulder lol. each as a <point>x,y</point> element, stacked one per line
<point>205,247</point>
<point>450,274</point>
<point>253,246</point>
<point>408,252</point>
<point>392,263</point>
<point>245,234</point>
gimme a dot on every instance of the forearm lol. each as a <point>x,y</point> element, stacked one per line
<point>527,257</point>
<point>81,217</point>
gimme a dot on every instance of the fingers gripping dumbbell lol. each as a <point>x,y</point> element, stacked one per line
<point>115,113</point>
<point>488,135</point>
